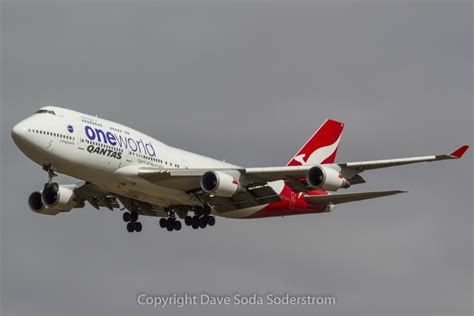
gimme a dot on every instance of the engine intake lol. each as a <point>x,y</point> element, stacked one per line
<point>326,179</point>
<point>219,184</point>
<point>36,202</point>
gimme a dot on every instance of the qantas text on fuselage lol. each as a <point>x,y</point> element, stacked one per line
<point>124,168</point>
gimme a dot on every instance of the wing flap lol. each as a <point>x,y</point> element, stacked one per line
<point>348,197</point>
<point>96,196</point>
<point>252,196</point>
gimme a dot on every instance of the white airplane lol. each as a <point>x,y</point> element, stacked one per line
<point>123,168</point>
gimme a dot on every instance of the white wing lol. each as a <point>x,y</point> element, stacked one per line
<point>188,179</point>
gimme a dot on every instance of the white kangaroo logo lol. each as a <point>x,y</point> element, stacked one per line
<point>319,155</point>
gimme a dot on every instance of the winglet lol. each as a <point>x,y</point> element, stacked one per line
<point>458,153</point>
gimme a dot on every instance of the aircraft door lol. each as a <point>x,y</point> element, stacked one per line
<point>81,140</point>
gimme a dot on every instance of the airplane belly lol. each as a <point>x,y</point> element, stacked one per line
<point>147,192</point>
<point>291,203</point>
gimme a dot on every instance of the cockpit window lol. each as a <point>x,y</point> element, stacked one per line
<point>45,111</point>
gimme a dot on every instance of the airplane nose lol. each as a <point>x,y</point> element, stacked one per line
<point>19,132</point>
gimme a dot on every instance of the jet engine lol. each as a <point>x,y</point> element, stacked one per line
<point>326,179</point>
<point>219,184</point>
<point>54,196</point>
<point>35,201</point>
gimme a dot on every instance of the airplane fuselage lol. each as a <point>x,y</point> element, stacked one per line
<point>100,151</point>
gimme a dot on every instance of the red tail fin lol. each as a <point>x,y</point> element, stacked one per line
<point>321,147</point>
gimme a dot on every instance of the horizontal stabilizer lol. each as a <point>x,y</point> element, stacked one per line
<point>348,197</point>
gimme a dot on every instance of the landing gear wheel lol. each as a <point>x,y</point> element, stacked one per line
<point>203,222</point>
<point>177,225</point>
<point>138,226</point>
<point>53,187</point>
<point>126,217</point>
<point>163,222</point>
<point>131,227</point>
<point>188,220</point>
<point>211,220</point>
<point>195,222</point>
<point>134,216</point>
<point>169,225</point>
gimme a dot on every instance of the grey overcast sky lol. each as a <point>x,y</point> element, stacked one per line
<point>248,82</point>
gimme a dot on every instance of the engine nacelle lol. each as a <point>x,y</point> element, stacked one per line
<point>219,184</point>
<point>35,201</point>
<point>59,197</point>
<point>326,179</point>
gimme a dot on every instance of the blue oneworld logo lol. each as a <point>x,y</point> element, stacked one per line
<point>126,142</point>
<point>70,129</point>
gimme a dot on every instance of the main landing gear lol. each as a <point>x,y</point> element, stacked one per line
<point>170,223</point>
<point>131,218</point>
<point>133,207</point>
<point>201,219</point>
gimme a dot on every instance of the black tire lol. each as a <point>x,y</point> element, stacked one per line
<point>188,220</point>
<point>126,217</point>
<point>211,220</point>
<point>130,227</point>
<point>170,225</point>
<point>138,226</point>
<point>163,222</point>
<point>51,187</point>
<point>177,225</point>
<point>134,216</point>
<point>203,222</point>
<point>195,222</point>
<point>54,187</point>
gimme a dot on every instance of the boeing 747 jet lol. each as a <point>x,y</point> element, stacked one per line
<point>123,168</point>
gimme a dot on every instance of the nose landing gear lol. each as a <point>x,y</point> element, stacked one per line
<point>50,188</point>
<point>50,170</point>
